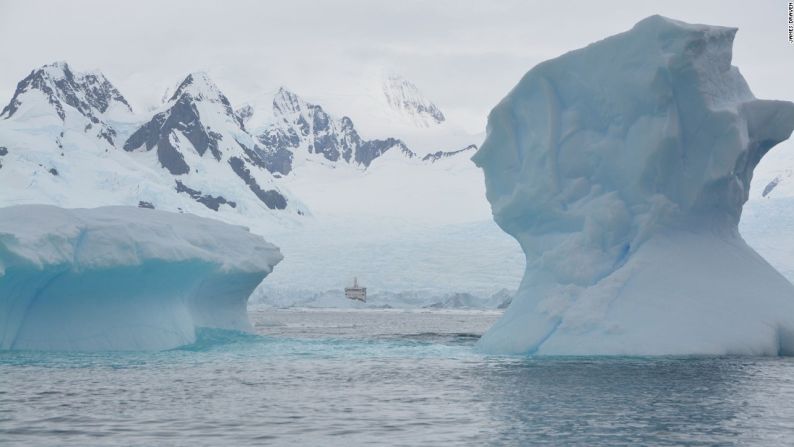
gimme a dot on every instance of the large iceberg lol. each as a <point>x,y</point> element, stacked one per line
<point>122,278</point>
<point>621,169</point>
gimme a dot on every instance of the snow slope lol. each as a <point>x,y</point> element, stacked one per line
<point>70,97</point>
<point>406,100</point>
<point>299,128</point>
<point>73,144</point>
<point>449,190</point>
<point>122,278</point>
<point>621,169</point>
<point>382,105</point>
<point>405,214</point>
<point>324,160</point>
<point>199,140</point>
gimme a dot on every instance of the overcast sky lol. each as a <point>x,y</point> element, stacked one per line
<point>464,55</point>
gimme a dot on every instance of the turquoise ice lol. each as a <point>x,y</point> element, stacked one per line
<point>621,169</point>
<point>122,278</point>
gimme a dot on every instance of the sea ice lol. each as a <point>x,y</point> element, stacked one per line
<point>122,278</point>
<point>621,169</point>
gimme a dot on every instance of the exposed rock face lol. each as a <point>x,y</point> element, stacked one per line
<point>200,113</point>
<point>622,169</point>
<point>272,198</point>
<point>183,116</point>
<point>90,95</point>
<point>245,113</point>
<point>75,136</point>
<point>210,201</point>
<point>300,125</point>
<point>438,155</point>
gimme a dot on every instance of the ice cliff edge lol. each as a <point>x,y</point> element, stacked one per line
<point>122,278</point>
<point>621,168</point>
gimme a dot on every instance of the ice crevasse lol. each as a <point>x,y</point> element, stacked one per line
<point>122,278</point>
<point>621,168</point>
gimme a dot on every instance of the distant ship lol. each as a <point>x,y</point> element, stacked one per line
<point>356,293</point>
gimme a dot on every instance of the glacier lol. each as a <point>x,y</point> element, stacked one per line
<point>122,278</point>
<point>621,169</point>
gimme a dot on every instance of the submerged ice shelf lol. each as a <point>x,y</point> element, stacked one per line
<point>621,169</point>
<point>122,278</point>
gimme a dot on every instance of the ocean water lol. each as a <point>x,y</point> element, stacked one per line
<point>366,377</point>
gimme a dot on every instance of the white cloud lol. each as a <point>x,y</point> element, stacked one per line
<point>464,54</point>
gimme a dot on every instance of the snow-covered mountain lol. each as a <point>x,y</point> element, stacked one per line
<point>381,103</point>
<point>405,98</point>
<point>337,202</point>
<point>197,147</point>
<point>299,127</point>
<point>198,133</point>
<point>71,139</point>
<point>54,95</point>
<point>326,162</point>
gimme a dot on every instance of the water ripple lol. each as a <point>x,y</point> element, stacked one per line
<point>314,377</point>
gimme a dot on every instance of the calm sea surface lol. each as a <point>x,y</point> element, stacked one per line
<point>386,378</point>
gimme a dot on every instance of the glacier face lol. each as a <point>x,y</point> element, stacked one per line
<point>621,169</point>
<point>122,278</point>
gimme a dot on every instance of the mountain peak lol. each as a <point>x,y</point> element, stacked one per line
<point>56,70</point>
<point>405,98</point>
<point>199,86</point>
<point>89,94</point>
<point>286,102</point>
<point>245,112</point>
<point>307,126</point>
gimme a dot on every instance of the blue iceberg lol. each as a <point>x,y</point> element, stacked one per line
<point>122,278</point>
<point>621,168</point>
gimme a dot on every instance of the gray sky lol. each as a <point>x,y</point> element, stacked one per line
<point>465,55</point>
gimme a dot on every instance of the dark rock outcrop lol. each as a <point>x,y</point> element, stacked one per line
<point>210,201</point>
<point>90,94</point>
<point>438,155</point>
<point>159,131</point>
<point>300,124</point>
<point>271,198</point>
